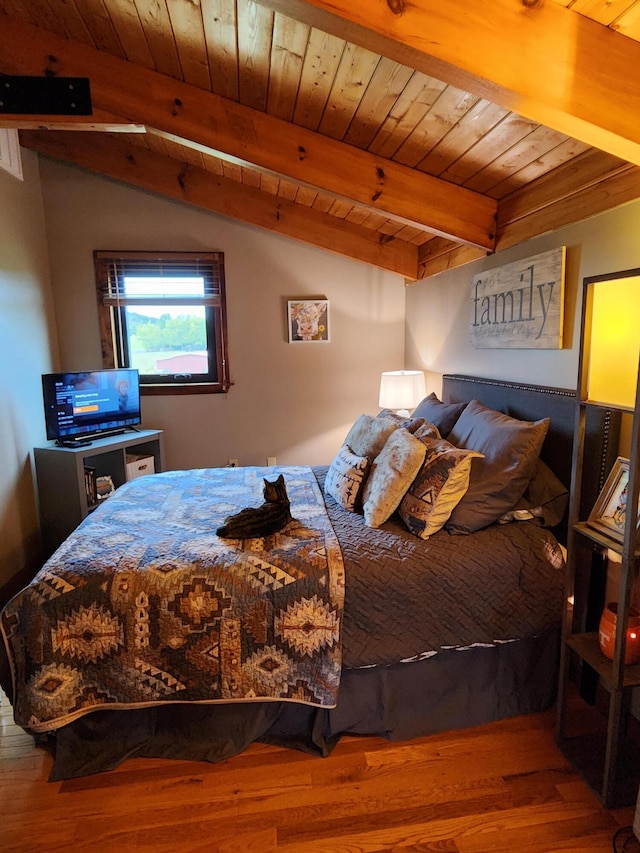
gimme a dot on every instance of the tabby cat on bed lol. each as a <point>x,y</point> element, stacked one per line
<point>263,520</point>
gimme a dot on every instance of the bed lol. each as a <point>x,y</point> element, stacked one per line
<point>190,647</point>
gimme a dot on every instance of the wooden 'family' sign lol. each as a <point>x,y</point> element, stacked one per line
<point>520,305</point>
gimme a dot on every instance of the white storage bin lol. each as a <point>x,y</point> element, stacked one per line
<point>138,466</point>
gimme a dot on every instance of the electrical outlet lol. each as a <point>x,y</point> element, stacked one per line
<point>271,460</point>
<point>232,463</point>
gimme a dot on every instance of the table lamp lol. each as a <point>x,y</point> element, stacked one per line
<point>401,390</point>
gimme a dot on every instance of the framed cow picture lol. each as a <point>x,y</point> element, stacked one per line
<point>308,321</point>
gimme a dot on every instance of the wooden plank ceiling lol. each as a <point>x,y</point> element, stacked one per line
<point>415,137</point>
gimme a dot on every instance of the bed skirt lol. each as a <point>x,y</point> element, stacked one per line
<point>451,690</point>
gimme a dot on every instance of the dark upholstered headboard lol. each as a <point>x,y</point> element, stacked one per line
<point>532,402</point>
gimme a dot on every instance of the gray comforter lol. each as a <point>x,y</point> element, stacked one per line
<point>408,598</point>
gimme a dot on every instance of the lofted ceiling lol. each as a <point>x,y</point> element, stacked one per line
<point>415,136</point>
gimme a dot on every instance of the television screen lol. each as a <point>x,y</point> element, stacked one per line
<point>85,404</point>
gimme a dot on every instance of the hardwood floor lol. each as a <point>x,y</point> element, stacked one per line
<point>503,787</point>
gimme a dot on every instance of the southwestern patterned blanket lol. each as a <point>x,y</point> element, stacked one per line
<point>143,604</point>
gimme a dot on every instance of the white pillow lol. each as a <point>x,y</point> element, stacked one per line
<point>368,435</point>
<point>392,472</point>
<point>345,477</point>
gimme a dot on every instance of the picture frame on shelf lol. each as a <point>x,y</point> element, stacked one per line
<point>308,320</point>
<point>609,512</point>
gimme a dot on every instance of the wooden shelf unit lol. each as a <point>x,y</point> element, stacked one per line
<point>60,473</point>
<point>588,649</point>
<point>599,738</point>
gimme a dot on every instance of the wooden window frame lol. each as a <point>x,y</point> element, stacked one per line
<point>109,269</point>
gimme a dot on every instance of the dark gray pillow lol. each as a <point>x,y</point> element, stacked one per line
<point>511,448</point>
<point>545,498</point>
<point>443,415</point>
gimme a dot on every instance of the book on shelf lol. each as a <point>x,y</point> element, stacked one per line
<point>90,485</point>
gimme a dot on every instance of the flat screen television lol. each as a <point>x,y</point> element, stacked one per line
<point>88,404</point>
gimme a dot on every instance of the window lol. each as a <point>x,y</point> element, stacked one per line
<point>164,314</point>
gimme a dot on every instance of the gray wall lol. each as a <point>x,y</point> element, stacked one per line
<point>27,349</point>
<point>438,310</point>
<point>292,401</point>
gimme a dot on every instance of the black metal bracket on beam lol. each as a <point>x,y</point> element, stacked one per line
<point>57,96</point>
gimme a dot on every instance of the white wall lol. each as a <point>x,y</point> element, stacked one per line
<point>27,349</point>
<point>438,310</point>
<point>292,401</point>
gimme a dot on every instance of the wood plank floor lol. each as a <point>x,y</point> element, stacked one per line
<point>503,787</point>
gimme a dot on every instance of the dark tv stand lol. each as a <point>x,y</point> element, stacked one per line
<point>61,480</point>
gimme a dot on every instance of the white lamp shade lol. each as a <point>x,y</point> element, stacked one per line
<point>615,342</point>
<point>401,389</point>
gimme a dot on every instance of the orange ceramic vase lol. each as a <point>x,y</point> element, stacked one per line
<point>607,633</point>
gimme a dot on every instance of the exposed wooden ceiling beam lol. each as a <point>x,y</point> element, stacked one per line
<point>439,255</point>
<point>586,170</point>
<point>114,157</point>
<point>591,184</point>
<point>457,256</point>
<point>541,60</point>
<point>185,112</point>
<point>588,201</point>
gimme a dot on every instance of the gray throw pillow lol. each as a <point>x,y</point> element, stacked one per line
<point>443,415</point>
<point>545,499</point>
<point>510,447</point>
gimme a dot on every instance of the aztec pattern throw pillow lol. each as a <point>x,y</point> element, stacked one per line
<point>440,485</point>
<point>345,477</point>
